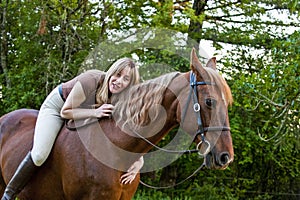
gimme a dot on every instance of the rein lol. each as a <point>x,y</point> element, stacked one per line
<point>170,186</point>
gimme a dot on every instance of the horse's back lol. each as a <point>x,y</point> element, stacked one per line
<point>70,172</point>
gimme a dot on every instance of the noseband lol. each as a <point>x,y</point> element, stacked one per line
<point>201,130</point>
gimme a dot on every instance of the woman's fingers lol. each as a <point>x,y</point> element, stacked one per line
<point>128,177</point>
<point>132,171</point>
<point>104,110</point>
<point>107,108</point>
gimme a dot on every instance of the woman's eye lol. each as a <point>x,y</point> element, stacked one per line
<point>211,103</point>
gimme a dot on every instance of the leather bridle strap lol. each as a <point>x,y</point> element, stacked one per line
<point>201,130</point>
<point>196,106</point>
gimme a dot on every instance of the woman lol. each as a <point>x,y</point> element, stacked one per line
<point>74,99</point>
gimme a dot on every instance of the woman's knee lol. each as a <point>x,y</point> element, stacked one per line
<point>39,158</point>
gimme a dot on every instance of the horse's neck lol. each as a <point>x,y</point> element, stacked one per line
<point>165,119</point>
<point>178,84</point>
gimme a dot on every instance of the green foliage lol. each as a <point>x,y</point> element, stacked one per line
<point>262,68</point>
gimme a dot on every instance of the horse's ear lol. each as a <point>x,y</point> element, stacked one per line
<point>196,66</point>
<point>212,63</point>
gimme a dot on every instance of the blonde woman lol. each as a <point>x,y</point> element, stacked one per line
<point>87,95</point>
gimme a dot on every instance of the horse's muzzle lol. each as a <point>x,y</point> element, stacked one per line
<point>218,161</point>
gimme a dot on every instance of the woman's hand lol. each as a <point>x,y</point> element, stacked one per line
<point>132,171</point>
<point>104,110</point>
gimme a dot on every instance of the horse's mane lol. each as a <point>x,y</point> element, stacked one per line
<point>133,106</point>
<point>221,83</point>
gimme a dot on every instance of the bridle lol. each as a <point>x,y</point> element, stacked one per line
<point>201,130</point>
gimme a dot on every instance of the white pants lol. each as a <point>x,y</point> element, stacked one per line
<point>48,124</point>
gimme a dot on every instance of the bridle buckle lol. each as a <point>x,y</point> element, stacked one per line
<point>203,141</point>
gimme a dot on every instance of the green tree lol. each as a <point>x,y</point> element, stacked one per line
<point>44,43</point>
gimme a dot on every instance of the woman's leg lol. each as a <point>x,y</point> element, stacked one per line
<point>20,178</point>
<point>47,127</point>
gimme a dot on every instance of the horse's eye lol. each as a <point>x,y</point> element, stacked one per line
<point>211,103</point>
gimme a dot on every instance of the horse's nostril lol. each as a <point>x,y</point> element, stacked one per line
<point>224,158</point>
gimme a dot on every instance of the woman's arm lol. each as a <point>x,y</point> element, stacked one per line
<point>71,110</point>
<point>132,171</point>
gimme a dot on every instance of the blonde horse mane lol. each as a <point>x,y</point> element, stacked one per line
<point>133,107</point>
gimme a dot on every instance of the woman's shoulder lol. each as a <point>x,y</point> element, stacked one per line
<point>91,77</point>
<point>94,72</point>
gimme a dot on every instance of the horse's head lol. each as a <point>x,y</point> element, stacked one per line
<point>205,115</point>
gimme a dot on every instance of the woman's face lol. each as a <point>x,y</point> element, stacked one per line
<point>119,81</point>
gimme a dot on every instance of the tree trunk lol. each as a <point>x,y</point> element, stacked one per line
<point>195,27</point>
<point>3,47</point>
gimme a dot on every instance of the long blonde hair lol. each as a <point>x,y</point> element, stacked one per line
<point>134,107</point>
<point>102,95</point>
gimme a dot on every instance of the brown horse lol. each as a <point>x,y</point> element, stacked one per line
<point>88,163</point>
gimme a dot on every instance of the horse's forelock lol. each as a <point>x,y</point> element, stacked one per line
<point>221,84</point>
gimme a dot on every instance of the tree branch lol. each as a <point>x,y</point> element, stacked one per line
<point>222,19</point>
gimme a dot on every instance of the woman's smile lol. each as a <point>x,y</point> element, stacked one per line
<point>119,81</point>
